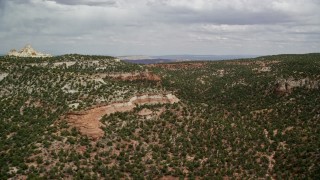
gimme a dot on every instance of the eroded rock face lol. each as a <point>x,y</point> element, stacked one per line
<point>88,122</point>
<point>27,51</point>
<point>287,85</point>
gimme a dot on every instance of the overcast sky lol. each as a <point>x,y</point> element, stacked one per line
<point>161,27</point>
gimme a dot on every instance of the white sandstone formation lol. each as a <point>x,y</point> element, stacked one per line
<point>27,51</point>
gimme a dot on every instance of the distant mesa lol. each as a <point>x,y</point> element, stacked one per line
<point>136,57</point>
<point>27,51</point>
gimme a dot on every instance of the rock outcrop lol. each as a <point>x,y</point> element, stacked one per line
<point>145,112</point>
<point>3,75</point>
<point>287,85</point>
<point>27,51</point>
<point>88,122</point>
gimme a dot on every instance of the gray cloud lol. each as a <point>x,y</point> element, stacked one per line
<point>2,3</point>
<point>2,6</point>
<point>87,2</point>
<point>233,17</point>
<point>120,27</point>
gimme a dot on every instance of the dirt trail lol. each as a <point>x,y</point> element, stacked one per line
<point>88,122</point>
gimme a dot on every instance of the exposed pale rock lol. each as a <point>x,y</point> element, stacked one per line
<point>287,85</point>
<point>66,63</point>
<point>27,51</point>
<point>74,105</point>
<point>67,89</point>
<point>3,75</point>
<point>145,112</point>
<point>263,69</point>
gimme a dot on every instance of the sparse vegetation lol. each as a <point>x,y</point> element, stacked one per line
<point>230,122</point>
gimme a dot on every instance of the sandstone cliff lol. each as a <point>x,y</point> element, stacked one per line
<point>287,85</point>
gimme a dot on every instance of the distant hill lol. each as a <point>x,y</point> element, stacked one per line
<point>178,58</point>
<point>205,57</point>
<point>135,57</point>
<point>151,61</point>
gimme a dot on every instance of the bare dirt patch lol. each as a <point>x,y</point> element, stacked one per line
<point>88,121</point>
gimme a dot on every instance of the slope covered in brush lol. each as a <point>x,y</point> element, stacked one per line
<point>251,118</point>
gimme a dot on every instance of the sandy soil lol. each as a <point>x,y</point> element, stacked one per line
<point>88,122</point>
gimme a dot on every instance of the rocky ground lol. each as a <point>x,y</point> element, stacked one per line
<point>95,117</point>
